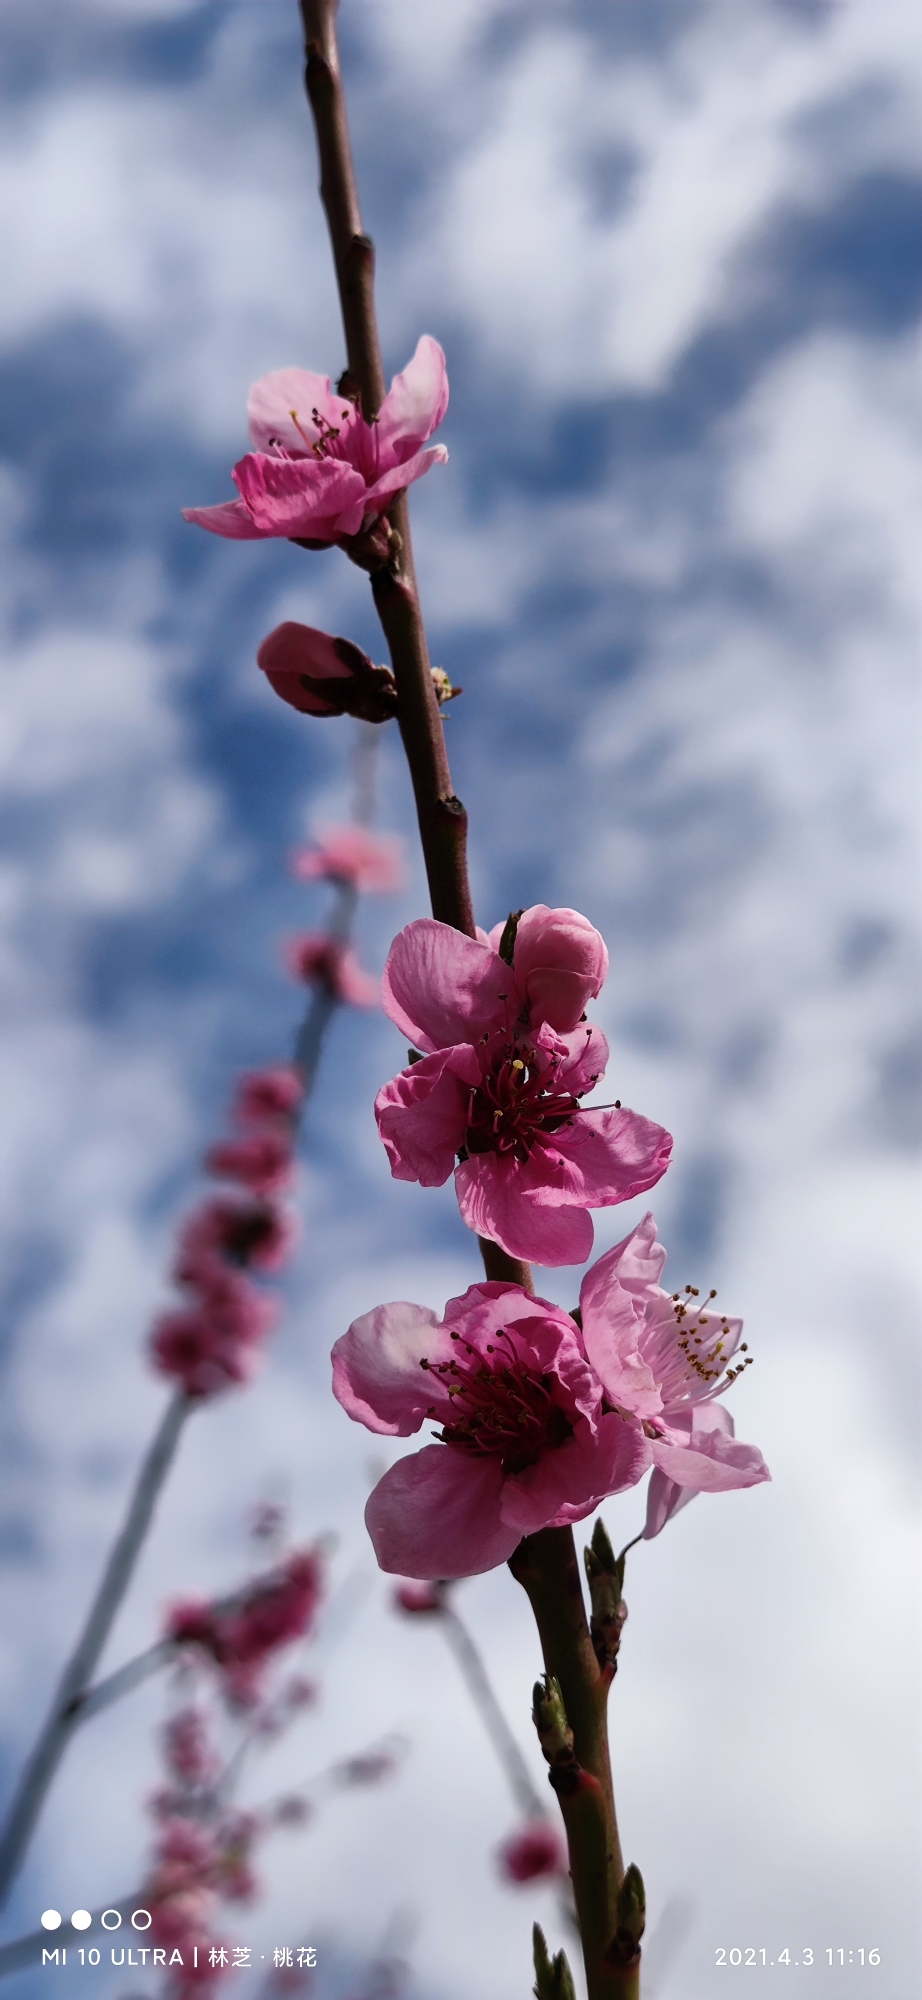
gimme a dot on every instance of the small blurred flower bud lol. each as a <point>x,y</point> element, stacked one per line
<point>535,1850</point>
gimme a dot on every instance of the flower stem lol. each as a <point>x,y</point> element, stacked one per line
<point>442,818</point>
<point>65,1713</point>
<point>545,1565</point>
<point>480,1689</point>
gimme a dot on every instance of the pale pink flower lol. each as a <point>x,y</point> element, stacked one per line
<point>525,1442</point>
<point>368,861</point>
<point>268,1097</point>
<point>231,1229</point>
<point>666,1358</point>
<point>322,675</point>
<point>215,1342</point>
<point>322,960</point>
<point>240,1636</point>
<point>263,1161</point>
<point>536,1849</point>
<point>419,1600</point>
<point>498,1089</point>
<point>319,471</point>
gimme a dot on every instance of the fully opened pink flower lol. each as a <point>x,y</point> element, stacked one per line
<point>667,1359</point>
<point>498,1088</point>
<point>525,1441</point>
<point>367,861</point>
<point>319,470</point>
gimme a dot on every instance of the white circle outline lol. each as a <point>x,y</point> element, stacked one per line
<point>135,1914</point>
<point>111,1913</point>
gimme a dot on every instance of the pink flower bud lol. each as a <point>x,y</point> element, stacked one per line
<point>559,965</point>
<point>321,675</point>
<point>535,1850</point>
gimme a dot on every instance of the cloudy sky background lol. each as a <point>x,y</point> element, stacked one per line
<point>673,249</point>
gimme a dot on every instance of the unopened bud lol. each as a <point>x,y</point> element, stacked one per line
<point>605,1573</point>
<point>443,688</point>
<point>550,1720</point>
<point>553,1978</point>
<point>631,1911</point>
<point>323,675</point>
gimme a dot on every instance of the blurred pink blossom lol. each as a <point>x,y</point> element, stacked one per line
<point>268,1097</point>
<point>241,1636</point>
<point>527,1440</point>
<point>322,960</point>
<point>260,1234</point>
<point>215,1342</point>
<point>536,1849</point>
<point>319,471</point>
<point>498,1091</point>
<point>263,1161</point>
<point>419,1599</point>
<point>188,1753</point>
<point>369,861</point>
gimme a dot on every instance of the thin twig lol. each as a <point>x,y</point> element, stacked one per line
<point>469,1659</point>
<point>64,1714</point>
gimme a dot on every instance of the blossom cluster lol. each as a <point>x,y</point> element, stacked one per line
<point>240,1635</point>
<point>215,1338</point>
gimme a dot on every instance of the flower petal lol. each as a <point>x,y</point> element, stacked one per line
<point>436,1513</point>
<point>612,1321</point>
<point>272,400</point>
<point>231,518</point>
<point>495,1203</point>
<point>377,1375</point>
<point>699,1451</point>
<point>415,403</point>
<point>378,496</point>
<point>605,1157</point>
<point>303,496</point>
<point>567,1483</point>
<point>441,987</point>
<point>422,1115</point>
<point>664,1498</point>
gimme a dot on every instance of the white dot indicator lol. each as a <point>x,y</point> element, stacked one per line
<point>81,1920</point>
<point>50,1920</point>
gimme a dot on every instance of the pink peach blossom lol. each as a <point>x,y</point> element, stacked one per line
<point>216,1342</point>
<point>231,1229</point>
<point>498,1089</point>
<point>240,1636</point>
<point>665,1358</point>
<point>268,1097</point>
<point>525,1440</point>
<point>368,861</point>
<point>535,1850</point>
<point>319,471</point>
<point>322,675</point>
<point>263,1161</point>
<point>322,960</point>
<point>559,964</point>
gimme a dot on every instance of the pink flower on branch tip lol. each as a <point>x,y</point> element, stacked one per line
<point>319,471</point>
<point>322,675</point>
<point>496,1094</point>
<point>322,960</point>
<point>367,861</point>
<point>668,1358</point>
<point>526,1439</point>
<point>419,1600</point>
<point>241,1634</point>
<point>535,1850</point>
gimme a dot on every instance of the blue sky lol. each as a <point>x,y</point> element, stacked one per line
<point>674,254</point>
